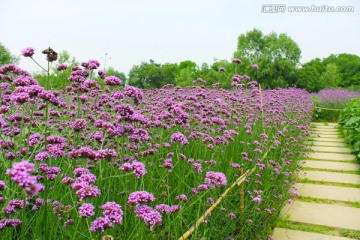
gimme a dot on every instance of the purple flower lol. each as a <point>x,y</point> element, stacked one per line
<point>101,74</point>
<point>222,69</point>
<point>179,137</point>
<point>112,81</point>
<point>255,66</point>
<point>51,55</point>
<point>236,60</point>
<point>86,210</point>
<point>28,52</point>
<point>2,185</point>
<point>215,178</point>
<point>93,64</point>
<point>257,199</point>
<point>139,169</point>
<point>135,198</point>
<point>148,215</point>
<point>20,173</point>
<point>5,222</point>
<point>163,208</point>
<point>50,172</point>
<point>113,212</point>
<point>100,224</point>
<point>13,204</point>
<point>78,125</point>
<point>182,197</point>
<point>61,67</point>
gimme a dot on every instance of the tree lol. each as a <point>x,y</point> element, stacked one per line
<point>308,77</point>
<point>331,77</point>
<point>6,57</point>
<point>152,75</point>
<point>276,55</point>
<point>348,66</point>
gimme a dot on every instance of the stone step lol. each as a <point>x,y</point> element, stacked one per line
<point>331,177</point>
<point>288,234</point>
<point>325,127</point>
<point>324,124</point>
<point>326,139</point>
<point>328,144</point>
<point>327,132</point>
<point>337,136</point>
<point>330,165</point>
<point>332,149</point>
<point>332,156</point>
<point>324,214</point>
<point>329,192</point>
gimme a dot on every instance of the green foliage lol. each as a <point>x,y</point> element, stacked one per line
<point>331,77</point>
<point>348,66</point>
<point>152,75</point>
<point>276,55</point>
<point>308,78</point>
<point>341,70</point>
<point>6,57</point>
<point>350,122</point>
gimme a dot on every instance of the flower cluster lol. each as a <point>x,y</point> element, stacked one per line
<point>83,184</point>
<point>20,173</point>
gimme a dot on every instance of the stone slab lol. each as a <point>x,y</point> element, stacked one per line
<point>324,214</point>
<point>332,156</point>
<point>330,177</point>
<point>336,127</point>
<point>333,130</point>
<point>324,124</point>
<point>329,144</point>
<point>331,165</point>
<point>288,234</point>
<point>325,136</point>
<point>326,139</point>
<point>326,131</point>
<point>329,192</point>
<point>331,149</point>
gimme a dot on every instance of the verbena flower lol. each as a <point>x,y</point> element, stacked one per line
<point>148,215</point>
<point>28,52</point>
<point>112,81</point>
<point>215,178</point>
<point>61,67</point>
<point>113,212</point>
<point>100,224</point>
<point>135,198</point>
<point>20,173</point>
<point>86,210</point>
<point>179,137</point>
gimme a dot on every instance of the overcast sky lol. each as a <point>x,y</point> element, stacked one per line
<point>168,31</point>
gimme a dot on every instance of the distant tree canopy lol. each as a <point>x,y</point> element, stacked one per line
<point>276,55</point>
<point>6,57</point>
<point>341,70</point>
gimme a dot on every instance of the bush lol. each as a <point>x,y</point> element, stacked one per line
<point>350,122</point>
<point>329,103</point>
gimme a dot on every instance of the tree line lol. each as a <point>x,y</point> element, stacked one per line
<point>277,57</point>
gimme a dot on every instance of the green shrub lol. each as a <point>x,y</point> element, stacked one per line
<point>350,122</point>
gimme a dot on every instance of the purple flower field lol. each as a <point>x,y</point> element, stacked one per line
<point>143,164</point>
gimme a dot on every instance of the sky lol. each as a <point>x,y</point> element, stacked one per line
<point>168,31</point>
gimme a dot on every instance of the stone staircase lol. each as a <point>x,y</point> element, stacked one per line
<point>329,190</point>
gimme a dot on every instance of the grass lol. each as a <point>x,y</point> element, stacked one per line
<point>284,223</point>
<point>328,201</point>
<point>331,170</point>
<point>329,183</point>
